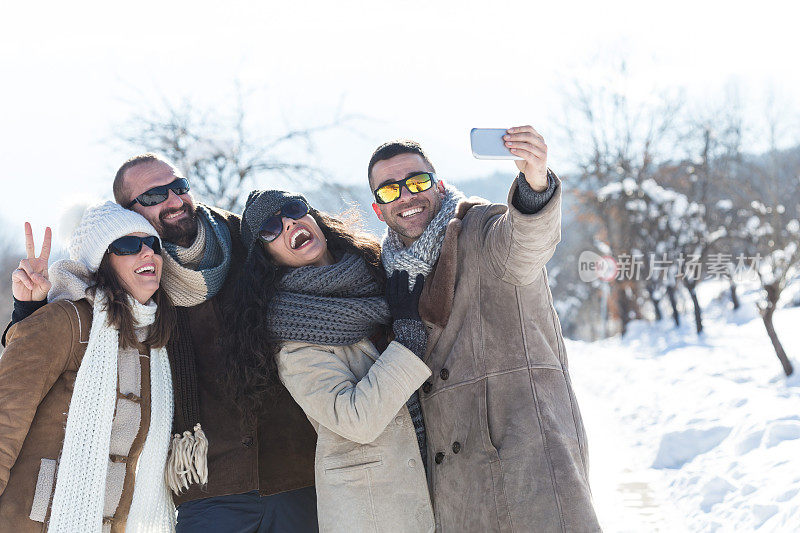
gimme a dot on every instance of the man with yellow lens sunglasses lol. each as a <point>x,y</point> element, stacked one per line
<point>505,441</point>
<point>390,191</point>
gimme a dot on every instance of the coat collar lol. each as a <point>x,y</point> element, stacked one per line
<point>436,301</point>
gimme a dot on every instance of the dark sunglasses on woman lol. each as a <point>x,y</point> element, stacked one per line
<point>159,194</point>
<point>273,226</point>
<point>131,245</point>
<point>389,192</point>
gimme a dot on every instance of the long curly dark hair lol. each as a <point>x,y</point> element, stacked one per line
<point>250,347</point>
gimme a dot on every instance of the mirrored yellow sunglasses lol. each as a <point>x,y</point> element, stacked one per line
<point>389,192</point>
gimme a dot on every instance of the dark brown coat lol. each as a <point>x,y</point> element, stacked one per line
<point>275,456</point>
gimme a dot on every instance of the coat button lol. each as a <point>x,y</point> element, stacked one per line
<point>439,458</point>
<point>399,420</point>
<point>412,463</point>
<point>247,441</point>
<point>426,387</point>
<point>444,374</point>
<point>456,447</point>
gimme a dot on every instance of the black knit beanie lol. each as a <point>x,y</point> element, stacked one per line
<point>261,205</point>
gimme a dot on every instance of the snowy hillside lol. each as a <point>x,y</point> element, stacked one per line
<point>691,433</point>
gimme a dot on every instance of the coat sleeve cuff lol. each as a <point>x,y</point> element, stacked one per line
<point>22,310</point>
<point>542,229</point>
<point>404,366</point>
<point>411,334</point>
<point>528,201</point>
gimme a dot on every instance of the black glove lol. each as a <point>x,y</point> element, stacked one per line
<point>402,302</point>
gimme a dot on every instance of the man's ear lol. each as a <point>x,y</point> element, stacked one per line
<point>377,211</point>
<point>440,186</point>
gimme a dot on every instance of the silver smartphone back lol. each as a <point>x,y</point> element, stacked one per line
<point>488,143</point>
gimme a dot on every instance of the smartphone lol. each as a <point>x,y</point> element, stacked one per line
<point>488,143</point>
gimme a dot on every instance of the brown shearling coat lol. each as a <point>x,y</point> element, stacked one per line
<point>37,377</point>
<point>506,443</point>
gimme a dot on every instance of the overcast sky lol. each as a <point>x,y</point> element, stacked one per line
<point>430,70</point>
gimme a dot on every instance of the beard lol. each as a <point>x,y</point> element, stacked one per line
<point>181,232</point>
<point>395,221</point>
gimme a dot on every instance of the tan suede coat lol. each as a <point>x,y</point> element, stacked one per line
<point>37,376</point>
<point>506,444</point>
<point>369,473</point>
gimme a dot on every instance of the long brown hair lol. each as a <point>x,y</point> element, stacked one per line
<point>251,370</point>
<point>119,311</point>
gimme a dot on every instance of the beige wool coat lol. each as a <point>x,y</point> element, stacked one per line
<point>506,443</point>
<point>369,473</point>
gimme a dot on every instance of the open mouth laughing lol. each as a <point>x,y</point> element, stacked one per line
<point>300,238</point>
<point>147,270</point>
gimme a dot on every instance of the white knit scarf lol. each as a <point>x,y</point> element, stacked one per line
<point>421,256</point>
<point>81,479</point>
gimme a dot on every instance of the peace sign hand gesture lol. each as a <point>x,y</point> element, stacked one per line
<point>30,281</point>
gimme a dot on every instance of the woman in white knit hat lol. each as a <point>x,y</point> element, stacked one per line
<point>86,389</point>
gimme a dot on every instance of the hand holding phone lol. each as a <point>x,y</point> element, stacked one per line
<point>488,143</point>
<point>523,144</point>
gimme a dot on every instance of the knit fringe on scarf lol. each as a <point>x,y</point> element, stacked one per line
<point>188,460</point>
<point>81,480</point>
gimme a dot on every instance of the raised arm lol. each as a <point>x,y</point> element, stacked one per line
<point>328,391</point>
<point>29,282</point>
<point>518,240</point>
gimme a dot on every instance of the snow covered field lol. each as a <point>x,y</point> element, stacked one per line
<point>691,433</point>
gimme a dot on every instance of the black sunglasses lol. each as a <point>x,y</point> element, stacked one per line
<point>273,226</point>
<point>131,245</point>
<point>159,194</point>
<point>389,192</point>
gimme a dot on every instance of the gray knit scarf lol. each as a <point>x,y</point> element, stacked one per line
<point>339,304</point>
<point>195,274</point>
<point>421,256</point>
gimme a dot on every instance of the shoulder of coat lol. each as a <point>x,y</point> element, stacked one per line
<point>466,204</point>
<point>477,215</point>
<point>58,319</point>
<point>79,313</point>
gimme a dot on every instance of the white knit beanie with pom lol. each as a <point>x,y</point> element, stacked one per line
<point>99,226</point>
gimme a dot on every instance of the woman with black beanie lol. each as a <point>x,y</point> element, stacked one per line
<point>312,305</point>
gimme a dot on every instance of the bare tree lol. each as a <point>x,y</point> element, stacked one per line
<point>224,156</point>
<point>617,137</point>
<point>773,228</point>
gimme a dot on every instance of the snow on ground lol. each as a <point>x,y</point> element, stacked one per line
<point>694,433</point>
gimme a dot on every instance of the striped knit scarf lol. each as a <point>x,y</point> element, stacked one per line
<point>421,256</point>
<point>81,479</point>
<point>195,274</point>
<point>192,276</point>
